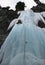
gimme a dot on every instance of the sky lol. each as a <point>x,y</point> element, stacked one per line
<point>12,3</point>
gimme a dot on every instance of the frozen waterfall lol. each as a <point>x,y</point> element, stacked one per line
<point>28,16</point>
<point>25,45</point>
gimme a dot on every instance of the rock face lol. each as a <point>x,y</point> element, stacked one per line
<point>6,16</point>
<point>39,8</point>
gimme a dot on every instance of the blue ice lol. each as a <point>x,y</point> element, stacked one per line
<point>25,45</point>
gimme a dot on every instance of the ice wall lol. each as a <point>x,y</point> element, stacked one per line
<point>25,45</point>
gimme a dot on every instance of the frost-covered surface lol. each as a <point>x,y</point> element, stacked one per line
<point>25,45</point>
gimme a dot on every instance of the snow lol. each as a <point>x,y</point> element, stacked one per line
<point>25,45</point>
